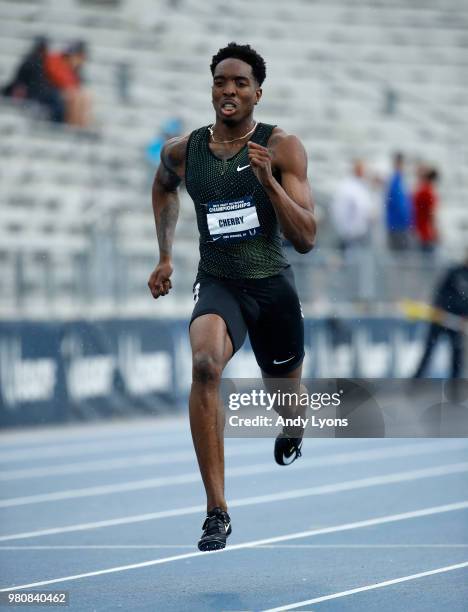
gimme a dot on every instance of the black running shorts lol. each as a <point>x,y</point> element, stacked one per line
<point>267,308</point>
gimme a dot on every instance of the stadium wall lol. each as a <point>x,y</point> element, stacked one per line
<point>55,372</point>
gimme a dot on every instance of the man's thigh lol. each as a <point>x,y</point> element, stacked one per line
<point>277,336</point>
<point>213,297</point>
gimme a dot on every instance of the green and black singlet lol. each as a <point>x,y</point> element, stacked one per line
<point>239,232</point>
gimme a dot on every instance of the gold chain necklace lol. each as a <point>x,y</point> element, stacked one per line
<point>210,129</point>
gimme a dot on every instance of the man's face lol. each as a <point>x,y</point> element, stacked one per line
<point>399,163</point>
<point>235,91</point>
<point>359,168</point>
<point>77,60</point>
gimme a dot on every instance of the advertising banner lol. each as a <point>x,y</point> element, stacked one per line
<point>54,372</point>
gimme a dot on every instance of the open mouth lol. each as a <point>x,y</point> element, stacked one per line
<point>228,108</point>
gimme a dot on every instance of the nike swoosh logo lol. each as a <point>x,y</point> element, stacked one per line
<point>239,168</point>
<point>226,527</point>
<point>284,361</point>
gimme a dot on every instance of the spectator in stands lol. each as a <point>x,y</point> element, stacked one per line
<point>451,297</point>
<point>352,210</point>
<point>425,201</point>
<point>169,129</point>
<point>31,83</point>
<point>64,71</point>
<point>398,208</point>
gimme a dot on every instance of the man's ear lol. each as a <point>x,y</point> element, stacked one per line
<point>258,94</point>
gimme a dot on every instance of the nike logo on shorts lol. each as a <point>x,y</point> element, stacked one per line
<point>284,361</point>
<point>239,168</point>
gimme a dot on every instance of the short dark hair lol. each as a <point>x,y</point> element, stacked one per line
<point>77,47</point>
<point>244,53</point>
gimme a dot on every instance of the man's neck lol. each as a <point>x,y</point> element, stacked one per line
<point>224,131</point>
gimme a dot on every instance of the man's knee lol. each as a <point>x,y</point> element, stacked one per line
<point>207,369</point>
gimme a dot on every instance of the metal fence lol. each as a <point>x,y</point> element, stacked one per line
<point>106,278</point>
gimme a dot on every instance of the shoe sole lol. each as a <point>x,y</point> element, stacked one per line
<point>208,545</point>
<point>214,544</point>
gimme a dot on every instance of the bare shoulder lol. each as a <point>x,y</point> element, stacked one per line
<point>287,150</point>
<point>173,153</point>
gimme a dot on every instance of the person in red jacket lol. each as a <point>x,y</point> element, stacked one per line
<point>425,201</point>
<point>64,72</point>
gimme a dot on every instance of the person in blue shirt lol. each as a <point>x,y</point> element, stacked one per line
<point>169,129</point>
<point>398,208</point>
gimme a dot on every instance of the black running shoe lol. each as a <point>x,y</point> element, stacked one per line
<point>216,529</point>
<point>287,449</point>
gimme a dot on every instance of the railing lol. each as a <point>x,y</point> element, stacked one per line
<point>104,279</point>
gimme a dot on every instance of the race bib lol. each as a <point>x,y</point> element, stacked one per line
<point>235,220</point>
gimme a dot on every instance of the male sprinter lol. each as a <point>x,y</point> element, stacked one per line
<point>248,181</point>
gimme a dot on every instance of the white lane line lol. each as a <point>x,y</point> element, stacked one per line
<point>126,520</point>
<point>83,467</point>
<point>391,518</point>
<point>193,477</point>
<point>96,430</point>
<point>100,446</point>
<point>346,546</point>
<point>369,587</point>
<point>347,485</point>
<point>100,547</point>
<point>266,546</point>
<point>103,465</point>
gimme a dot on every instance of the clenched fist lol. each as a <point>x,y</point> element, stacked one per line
<point>159,282</point>
<point>260,162</point>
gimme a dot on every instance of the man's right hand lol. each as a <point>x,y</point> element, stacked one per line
<point>159,281</point>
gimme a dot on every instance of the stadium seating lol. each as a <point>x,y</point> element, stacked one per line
<point>75,202</point>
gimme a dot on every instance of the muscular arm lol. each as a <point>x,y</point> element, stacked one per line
<point>292,199</point>
<point>166,211</point>
<point>165,208</point>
